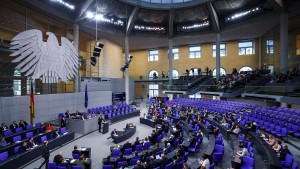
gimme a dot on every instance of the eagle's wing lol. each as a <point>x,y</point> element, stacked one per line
<point>71,61</point>
<point>29,50</point>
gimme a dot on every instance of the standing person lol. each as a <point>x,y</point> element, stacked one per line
<point>163,75</point>
<point>45,154</point>
<point>100,120</point>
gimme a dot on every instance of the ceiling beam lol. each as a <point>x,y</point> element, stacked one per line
<point>171,23</point>
<point>213,16</point>
<point>131,20</point>
<point>278,5</point>
<point>83,8</point>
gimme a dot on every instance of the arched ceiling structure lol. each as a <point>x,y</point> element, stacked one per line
<point>150,23</point>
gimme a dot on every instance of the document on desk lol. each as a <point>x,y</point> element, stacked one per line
<point>83,149</point>
<point>72,161</point>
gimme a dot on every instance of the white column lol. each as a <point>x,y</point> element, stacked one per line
<point>76,44</point>
<point>218,64</point>
<point>283,43</point>
<point>126,70</point>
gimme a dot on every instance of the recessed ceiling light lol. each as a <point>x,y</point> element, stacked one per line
<point>89,15</point>
<point>65,4</point>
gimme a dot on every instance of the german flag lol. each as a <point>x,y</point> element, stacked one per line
<point>32,111</point>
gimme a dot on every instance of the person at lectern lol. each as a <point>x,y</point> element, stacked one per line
<point>128,125</point>
<point>100,120</point>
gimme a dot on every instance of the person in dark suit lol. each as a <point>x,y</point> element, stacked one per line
<point>156,149</point>
<point>45,154</point>
<point>168,148</point>
<point>181,150</point>
<point>126,146</point>
<point>113,134</point>
<point>13,126</point>
<point>3,127</point>
<point>24,147</point>
<point>43,129</point>
<point>178,159</point>
<point>153,136</point>
<point>136,155</point>
<point>193,141</point>
<point>23,124</point>
<point>128,125</point>
<point>31,143</point>
<point>137,141</point>
<point>163,161</point>
<point>67,114</point>
<point>138,165</point>
<point>100,120</point>
<point>121,158</point>
<point>75,151</point>
<point>107,161</point>
<point>58,158</point>
<point>63,122</point>
<point>153,163</point>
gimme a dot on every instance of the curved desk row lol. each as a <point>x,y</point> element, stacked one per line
<point>147,122</point>
<point>124,135</point>
<point>21,159</point>
<point>124,116</point>
<point>9,138</point>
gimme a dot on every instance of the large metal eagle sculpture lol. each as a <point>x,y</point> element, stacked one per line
<point>48,60</point>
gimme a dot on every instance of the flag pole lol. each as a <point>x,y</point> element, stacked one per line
<point>30,105</point>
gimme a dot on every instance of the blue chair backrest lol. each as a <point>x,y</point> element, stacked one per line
<point>51,165</point>
<point>248,161</point>
<point>44,138</point>
<point>61,167</point>
<point>179,165</point>
<point>128,151</point>
<point>16,138</point>
<point>7,133</point>
<point>28,127</point>
<point>115,153</point>
<point>29,134</point>
<point>139,147</point>
<point>16,149</point>
<point>4,156</point>
<point>169,166</point>
<point>212,166</point>
<point>134,160</point>
<point>19,129</point>
<point>76,167</point>
<point>76,156</point>
<point>107,167</point>
<point>38,124</point>
<point>63,130</point>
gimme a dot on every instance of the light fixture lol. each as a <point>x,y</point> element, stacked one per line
<point>99,17</point>
<point>126,65</point>
<point>90,15</point>
<point>65,4</point>
<point>242,14</point>
<point>149,28</point>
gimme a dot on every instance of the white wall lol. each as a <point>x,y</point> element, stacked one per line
<point>48,106</point>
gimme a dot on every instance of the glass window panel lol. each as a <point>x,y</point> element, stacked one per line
<point>245,44</point>
<point>242,51</point>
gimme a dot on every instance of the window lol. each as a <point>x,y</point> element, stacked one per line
<point>194,51</point>
<point>153,74</point>
<point>175,53</point>
<point>222,49</point>
<point>245,69</point>
<point>222,72</point>
<point>17,83</point>
<point>246,48</point>
<point>153,55</point>
<point>175,74</point>
<point>153,90</point>
<point>270,46</point>
<point>197,95</point>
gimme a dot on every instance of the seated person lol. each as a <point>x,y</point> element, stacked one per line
<point>31,143</point>
<point>114,133</point>
<point>24,147</point>
<point>199,134</point>
<point>121,158</point>
<point>126,145</point>
<point>178,159</point>
<point>181,150</point>
<point>77,114</point>
<point>204,163</point>
<point>244,151</point>
<point>82,117</point>
<point>233,126</point>
<point>128,125</point>
<point>137,141</point>
<point>107,161</point>
<point>75,151</point>
<point>185,166</point>
<point>271,141</point>
<point>283,152</point>
<point>3,127</point>
<point>3,143</point>
<point>89,116</point>
<point>49,127</point>
<point>23,124</point>
<point>216,131</point>
<point>56,134</point>
<point>224,123</point>
<point>67,114</point>
<point>136,155</point>
<point>13,126</point>
<point>156,149</point>
<point>168,149</point>
<point>252,126</point>
<point>277,146</point>
<point>42,129</point>
<point>193,140</point>
<point>138,165</point>
<point>58,158</point>
<point>237,130</point>
<point>153,136</point>
<point>82,161</point>
<point>163,160</point>
<point>153,163</point>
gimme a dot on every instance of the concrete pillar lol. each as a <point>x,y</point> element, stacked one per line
<point>170,56</point>
<point>126,70</point>
<point>259,52</point>
<point>218,60</point>
<point>76,44</point>
<point>283,43</point>
<point>170,96</point>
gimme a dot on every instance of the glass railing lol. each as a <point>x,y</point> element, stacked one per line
<point>287,90</point>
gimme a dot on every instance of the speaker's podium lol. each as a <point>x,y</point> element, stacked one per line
<point>105,127</point>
